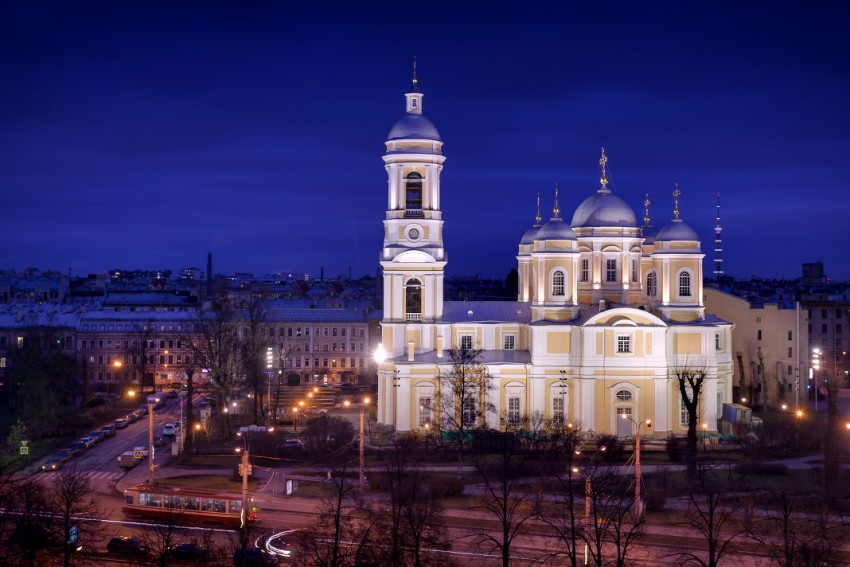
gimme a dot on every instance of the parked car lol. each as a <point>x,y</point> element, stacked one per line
<point>108,431</point>
<point>254,557</point>
<point>97,435</point>
<point>188,552</point>
<point>158,440</point>
<point>172,394</point>
<point>88,442</point>
<point>76,448</point>
<point>136,415</point>
<point>124,545</point>
<point>120,423</point>
<point>290,446</point>
<point>169,431</point>
<point>52,464</point>
<point>63,455</point>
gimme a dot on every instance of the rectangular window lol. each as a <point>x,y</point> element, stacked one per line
<point>683,411</point>
<point>823,329</point>
<point>790,352</point>
<point>758,335</point>
<point>611,270</point>
<point>624,343</point>
<point>513,412</point>
<point>558,411</point>
<point>789,335</point>
<point>634,270</point>
<point>510,342</point>
<point>585,270</point>
<point>838,328</point>
<point>717,344</point>
<point>424,412</point>
<point>466,342</point>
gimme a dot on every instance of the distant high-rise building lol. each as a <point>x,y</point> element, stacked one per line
<point>718,244</point>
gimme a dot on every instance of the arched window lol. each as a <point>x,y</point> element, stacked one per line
<point>684,284</point>
<point>558,283</point>
<point>651,284</point>
<point>413,300</point>
<point>413,193</point>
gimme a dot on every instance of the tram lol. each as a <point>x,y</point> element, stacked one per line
<point>186,505</point>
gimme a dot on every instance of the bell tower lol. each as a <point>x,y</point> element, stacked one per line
<point>412,258</point>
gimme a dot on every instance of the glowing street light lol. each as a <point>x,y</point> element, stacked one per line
<point>648,423</point>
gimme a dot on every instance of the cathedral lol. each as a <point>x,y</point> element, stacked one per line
<point>606,312</point>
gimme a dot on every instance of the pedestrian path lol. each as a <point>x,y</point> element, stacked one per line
<point>103,475</point>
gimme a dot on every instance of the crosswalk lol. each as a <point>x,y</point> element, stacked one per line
<point>104,475</point>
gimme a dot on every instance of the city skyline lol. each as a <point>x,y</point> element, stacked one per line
<point>146,135</point>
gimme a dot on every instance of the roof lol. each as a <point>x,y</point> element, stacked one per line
<point>555,229</point>
<point>676,230</point>
<point>604,209</point>
<point>486,357</point>
<point>414,127</point>
<point>486,312</point>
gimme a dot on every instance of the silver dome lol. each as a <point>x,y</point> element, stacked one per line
<point>676,230</point>
<point>555,229</point>
<point>604,208</point>
<point>530,235</point>
<point>414,127</point>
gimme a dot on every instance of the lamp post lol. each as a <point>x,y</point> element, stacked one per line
<point>363,404</point>
<point>295,418</point>
<point>151,403</point>
<point>638,480</point>
<point>247,435</point>
<point>588,495</point>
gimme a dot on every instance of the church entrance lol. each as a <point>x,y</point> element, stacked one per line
<point>624,426</point>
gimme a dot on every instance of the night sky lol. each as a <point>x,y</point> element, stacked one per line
<point>143,134</point>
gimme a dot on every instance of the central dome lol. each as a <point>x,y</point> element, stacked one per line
<point>414,127</point>
<point>604,208</point>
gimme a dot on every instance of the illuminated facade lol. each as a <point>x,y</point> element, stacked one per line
<point>606,309</point>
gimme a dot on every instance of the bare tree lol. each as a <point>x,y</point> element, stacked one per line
<point>690,376</point>
<point>253,312</point>
<point>558,506</point>
<point>717,521</point>
<point>464,402</point>
<point>213,345</point>
<point>505,494</point>
<point>74,507</point>
<point>139,353</point>
<point>410,523</point>
<point>795,536</point>
<point>341,537</point>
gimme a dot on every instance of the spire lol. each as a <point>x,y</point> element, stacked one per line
<point>414,96</point>
<point>538,218</point>
<point>557,210</point>
<point>603,176</point>
<point>718,244</point>
<point>646,212</point>
<point>414,88</point>
<point>676,194</point>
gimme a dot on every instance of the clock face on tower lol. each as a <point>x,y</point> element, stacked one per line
<point>413,234</point>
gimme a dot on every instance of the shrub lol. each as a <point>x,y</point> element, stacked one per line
<point>762,469</point>
<point>675,450</point>
<point>446,487</point>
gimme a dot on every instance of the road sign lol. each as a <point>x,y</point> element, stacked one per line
<point>73,535</point>
<point>25,450</point>
<point>137,454</point>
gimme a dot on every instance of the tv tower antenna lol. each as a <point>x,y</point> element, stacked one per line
<point>718,244</point>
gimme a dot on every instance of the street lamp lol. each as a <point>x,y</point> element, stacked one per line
<point>152,401</point>
<point>295,418</point>
<point>363,405</point>
<point>638,480</point>
<point>247,435</point>
<point>588,494</point>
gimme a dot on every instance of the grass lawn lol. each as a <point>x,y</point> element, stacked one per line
<point>218,482</point>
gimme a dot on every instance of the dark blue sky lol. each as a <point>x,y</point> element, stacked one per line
<point>144,134</point>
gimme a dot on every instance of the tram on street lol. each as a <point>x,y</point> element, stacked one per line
<point>185,505</point>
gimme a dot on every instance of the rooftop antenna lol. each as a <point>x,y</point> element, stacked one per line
<point>718,244</point>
